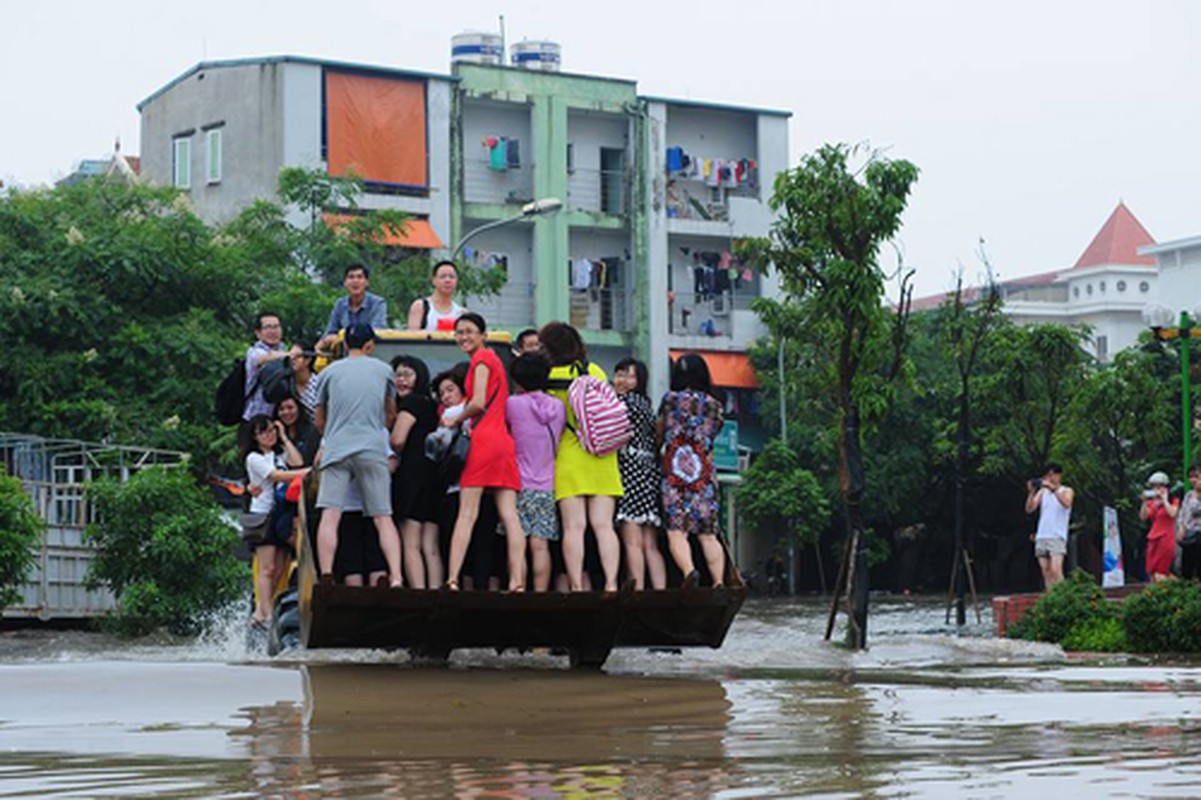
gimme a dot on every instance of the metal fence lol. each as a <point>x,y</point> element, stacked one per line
<point>483,184</point>
<point>55,474</point>
<point>606,191</point>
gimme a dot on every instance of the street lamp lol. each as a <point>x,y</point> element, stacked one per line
<point>545,205</point>
<point>1159,319</point>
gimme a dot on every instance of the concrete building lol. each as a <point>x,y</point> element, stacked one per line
<point>655,191</point>
<point>223,130</point>
<point>1178,264</point>
<point>1107,288</point>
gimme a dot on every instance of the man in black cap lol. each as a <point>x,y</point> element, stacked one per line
<point>356,404</point>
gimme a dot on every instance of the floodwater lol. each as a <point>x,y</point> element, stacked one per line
<point>777,712</point>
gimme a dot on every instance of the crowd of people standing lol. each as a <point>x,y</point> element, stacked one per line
<point>533,508</point>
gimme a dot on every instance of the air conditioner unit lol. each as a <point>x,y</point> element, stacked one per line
<point>719,306</point>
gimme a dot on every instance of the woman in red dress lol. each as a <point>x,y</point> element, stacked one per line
<point>1160,509</point>
<point>492,459</point>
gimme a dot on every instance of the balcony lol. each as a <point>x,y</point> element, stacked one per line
<point>598,190</point>
<point>709,319</point>
<point>483,184</point>
<point>601,310</point>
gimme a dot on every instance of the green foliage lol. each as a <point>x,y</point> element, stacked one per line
<point>20,532</point>
<point>1165,618</point>
<point>779,494</point>
<point>165,550</point>
<point>1075,601</point>
<point>1097,635</point>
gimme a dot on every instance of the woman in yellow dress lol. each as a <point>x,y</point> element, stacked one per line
<point>586,486</point>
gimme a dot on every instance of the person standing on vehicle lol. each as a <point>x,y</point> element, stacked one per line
<point>1053,501</point>
<point>356,399</point>
<point>439,311</point>
<point>357,305</point>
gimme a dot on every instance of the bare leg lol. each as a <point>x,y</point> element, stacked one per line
<point>506,509</point>
<point>431,554</point>
<point>681,551</point>
<point>631,540</point>
<point>264,581</point>
<point>600,517</point>
<point>327,539</point>
<point>715,558</point>
<point>469,510</point>
<point>353,580</point>
<point>574,514</point>
<point>410,540</point>
<point>540,549</point>
<point>655,564</point>
<point>389,542</point>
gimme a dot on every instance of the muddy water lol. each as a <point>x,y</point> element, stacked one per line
<point>775,713</point>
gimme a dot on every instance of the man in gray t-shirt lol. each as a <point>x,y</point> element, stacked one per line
<point>356,401</point>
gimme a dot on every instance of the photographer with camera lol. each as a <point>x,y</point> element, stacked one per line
<point>1159,508</point>
<point>1053,501</point>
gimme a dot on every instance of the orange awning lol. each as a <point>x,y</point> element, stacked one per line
<point>418,233</point>
<point>730,370</point>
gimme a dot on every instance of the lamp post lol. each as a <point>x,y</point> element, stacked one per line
<point>545,205</point>
<point>1159,319</point>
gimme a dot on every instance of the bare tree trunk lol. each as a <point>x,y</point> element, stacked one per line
<point>853,503</point>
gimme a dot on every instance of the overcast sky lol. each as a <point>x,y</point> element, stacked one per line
<point>1029,120</point>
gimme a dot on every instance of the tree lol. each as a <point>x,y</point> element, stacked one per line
<point>824,244</point>
<point>20,532</point>
<point>779,494</point>
<point>164,549</point>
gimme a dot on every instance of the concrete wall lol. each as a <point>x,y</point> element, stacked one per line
<point>302,122</point>
<point>249,99</point>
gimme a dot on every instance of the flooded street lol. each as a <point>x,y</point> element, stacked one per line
<point>776,713</point>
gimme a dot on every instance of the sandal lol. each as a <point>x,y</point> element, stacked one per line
<point>451,585</point>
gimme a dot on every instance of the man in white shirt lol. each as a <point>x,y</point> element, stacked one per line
<point>1053,501</point>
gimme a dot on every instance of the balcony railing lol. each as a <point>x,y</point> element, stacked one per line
<point>606,191</point>
<point>482,184</point>
<point>708,314</point>
<point>601,309</point>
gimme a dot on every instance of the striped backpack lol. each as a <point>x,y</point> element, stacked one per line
<point>602,422</point>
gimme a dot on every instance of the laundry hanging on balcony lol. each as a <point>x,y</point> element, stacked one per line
<point>503,153</point>
<point>714,172</point>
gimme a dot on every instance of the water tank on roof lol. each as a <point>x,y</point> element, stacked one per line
<point>477,47</point>
<point>536,54</point>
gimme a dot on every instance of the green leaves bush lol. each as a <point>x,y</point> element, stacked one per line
<point>1165,618</point>
<point>1070,603</point>
<point>20,531</point>
<point>165,550</point>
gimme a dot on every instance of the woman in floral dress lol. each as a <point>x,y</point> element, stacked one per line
<point>690,417</point>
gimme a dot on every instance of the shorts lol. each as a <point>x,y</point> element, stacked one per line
<point>1050,547</point>
<point>375,484</point>
<point>358,550</point>
<point>538,514</point>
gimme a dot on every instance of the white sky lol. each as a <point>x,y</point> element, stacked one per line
<point>1029,120</point>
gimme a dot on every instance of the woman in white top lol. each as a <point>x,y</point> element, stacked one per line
<point>439,311</point>
<point>266,466</point>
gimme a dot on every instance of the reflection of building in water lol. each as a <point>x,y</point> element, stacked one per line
<point>526,734</point>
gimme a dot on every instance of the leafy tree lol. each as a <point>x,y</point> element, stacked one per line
<point>779,494</point>
<point>164,549</point>
<point>20,532</point>
<point>824,243</point>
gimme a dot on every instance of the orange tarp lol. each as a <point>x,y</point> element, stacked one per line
<point>375,128</point>
<point>731,370</point>
<point>417,232</point>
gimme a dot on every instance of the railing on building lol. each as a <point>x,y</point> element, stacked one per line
<point>55,474</point>
<point>694,199</point>
<point>601,309</point>
<point>484,184</point>
<point>707,314</point>
<point>606,191</point>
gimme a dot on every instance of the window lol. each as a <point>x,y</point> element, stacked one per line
<point>1102,287</point>
<point>212,156</point>
<point>1144,287</point>
<point>1089,290</point>
<point>182,163</point>
<point>1075,291</point>
<point>1102,348</point>
<point>1121,286</point>
<point>570,158</point>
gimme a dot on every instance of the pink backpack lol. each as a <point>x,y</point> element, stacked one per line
<point>602,422</point>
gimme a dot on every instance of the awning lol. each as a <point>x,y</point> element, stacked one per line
<point>730,370</point>
<point>418,233</point>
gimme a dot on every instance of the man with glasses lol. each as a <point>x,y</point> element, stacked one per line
<point>268,346</point>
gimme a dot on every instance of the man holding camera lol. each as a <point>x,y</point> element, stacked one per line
<point>1053,501</point>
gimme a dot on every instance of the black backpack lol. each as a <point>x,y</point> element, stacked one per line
<point>277,380</point>
<point>230,400</point>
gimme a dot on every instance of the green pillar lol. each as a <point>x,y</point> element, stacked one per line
<point>548,124</point>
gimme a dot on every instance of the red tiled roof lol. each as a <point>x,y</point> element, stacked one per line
<point>972,293</point>
<point>1117,242</point>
